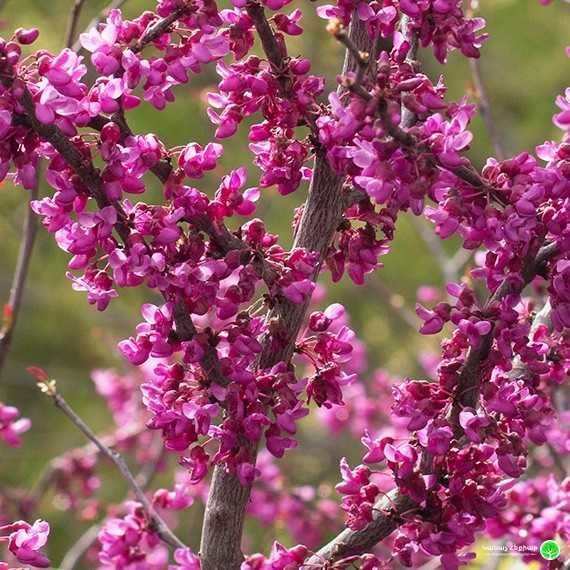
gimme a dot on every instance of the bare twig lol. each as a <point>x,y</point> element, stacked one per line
<point>73,21</point>
<point>395,303</point>
<point>20,276</point>
<point>433,243</point>
<point>80,547</point>
<point>461,257</point>
<point>484,105</point>
<point>557,460</point>
<point>47,475</point>
<point>155,521</point>
<point>84,542</point>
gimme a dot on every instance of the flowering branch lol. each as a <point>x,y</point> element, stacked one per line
<point>275,52</point>
<point>222,346</point>
<point>12,309</point>
<point>161,26</point>
<point>390,512</point>
<point>82,167</point>
<point>220,545</point>
<point>156,522</point>
<point>467,391</point>
<point>542,318</point>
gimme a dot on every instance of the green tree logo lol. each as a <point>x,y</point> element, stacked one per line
<point>550,550</point>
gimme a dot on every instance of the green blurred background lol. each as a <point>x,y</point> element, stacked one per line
<point>524,67</point>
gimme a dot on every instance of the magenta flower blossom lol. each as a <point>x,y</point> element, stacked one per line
<point>186,560</point>
<point>25,542</point>
<point>472,424</point>
<point>12,425</point>
<point>195,161</point>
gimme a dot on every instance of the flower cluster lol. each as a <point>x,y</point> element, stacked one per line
<point>441,24</point>
<point>128,540</point>
<point>26,540</point>
<point>12,425</point>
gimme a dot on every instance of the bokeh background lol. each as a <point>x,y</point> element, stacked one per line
<point>524,68</point>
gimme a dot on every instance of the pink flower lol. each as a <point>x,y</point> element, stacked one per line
<point>472,423</point>
<point>25,541</point>
<point>12,425</point>
<point>186,560</point>
<point>194,160</point>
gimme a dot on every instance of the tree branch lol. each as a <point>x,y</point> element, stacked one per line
<point>484,105</point>
<point>435,246</point>
<point>86,540</point>
<point>48,473</point>
<point>73,21</point>
<point>156,523</point>
<point>396,304</point>
<point>20,276</point>
<point>83,167</point>
<point>467,390</point>
<point>225,510</point>
<point>161,26</point>
<point>390,511</point>
<point>80,547</point>
<point>543,318</point>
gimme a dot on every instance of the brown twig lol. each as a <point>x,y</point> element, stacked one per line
<point>395,303</point>
<point>274,51</point>
<point>446,264</point>
<point>47,475</point>
<point>155,520</point>
<point>73,21</point>
<point>20,275</point>
<point>485,109</point>
<point>161,26</point>
<point>80,547</point>
<point>86,540</point>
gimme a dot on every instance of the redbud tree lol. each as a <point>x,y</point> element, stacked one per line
<point>233,351</point>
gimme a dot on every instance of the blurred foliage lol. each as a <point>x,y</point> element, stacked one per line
<point>524,68</point>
